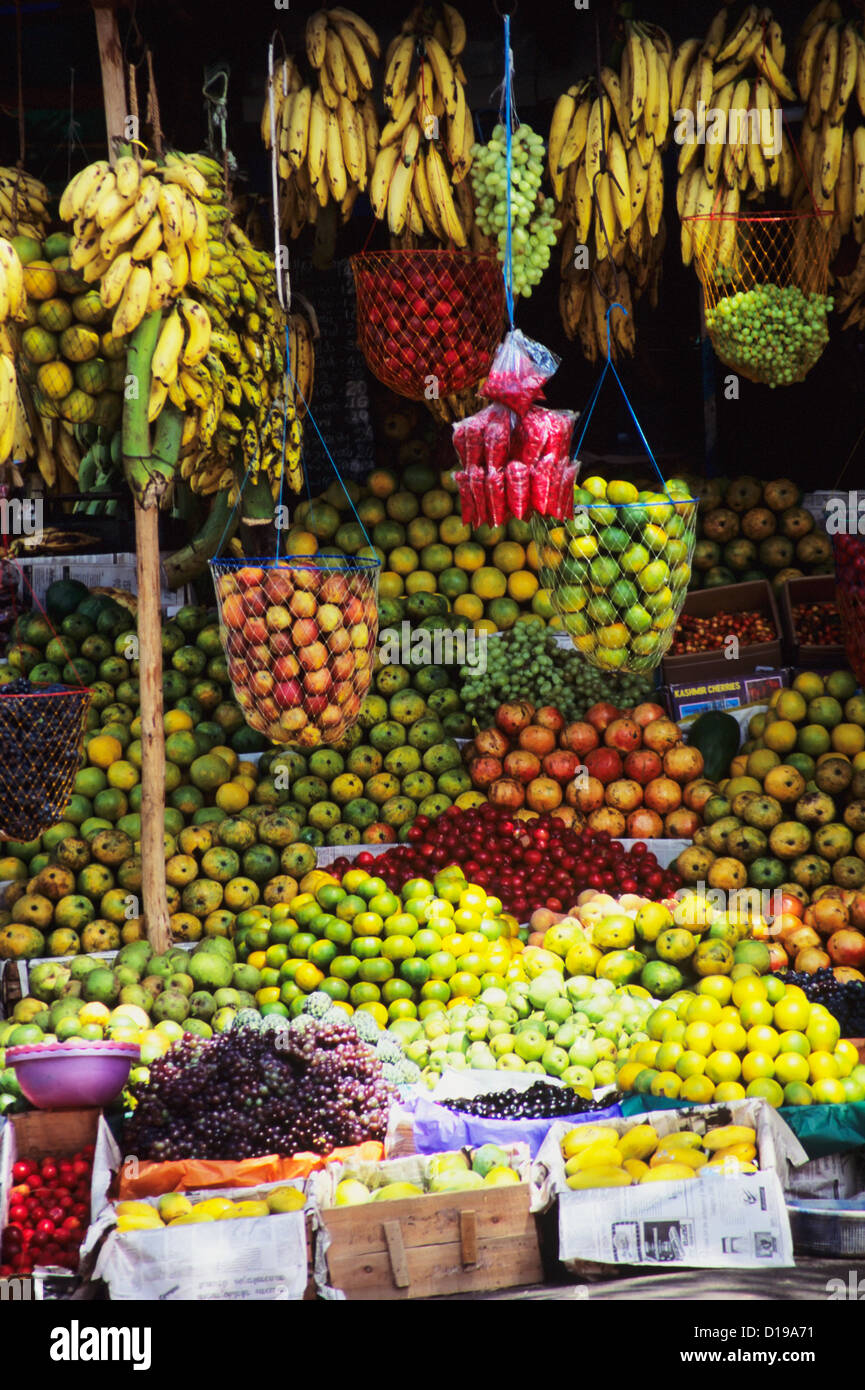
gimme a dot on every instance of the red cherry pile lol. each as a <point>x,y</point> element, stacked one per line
<point>850,595</point>
<point>526,863</point>
<point>49,1210</point>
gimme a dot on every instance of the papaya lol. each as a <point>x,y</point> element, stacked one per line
<point>717,737</point>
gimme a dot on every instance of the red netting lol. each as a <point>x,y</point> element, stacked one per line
<point>41,739</point>
<point>300,636</point>
<point>765,279</point>
<point>428,314</point>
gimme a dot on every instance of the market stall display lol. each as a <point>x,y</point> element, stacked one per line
<point>430,903</point>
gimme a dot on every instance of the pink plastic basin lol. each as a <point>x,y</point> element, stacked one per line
<point>72,1074</point>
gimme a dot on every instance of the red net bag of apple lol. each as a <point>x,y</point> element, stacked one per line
<point>300,635</point>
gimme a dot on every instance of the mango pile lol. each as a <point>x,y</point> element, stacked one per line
<point>598,1156</point>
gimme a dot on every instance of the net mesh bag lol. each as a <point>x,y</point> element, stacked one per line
<point>424,315</point>
<point>41,741</point>
<point>765,278</point>
<point>300,635</point>
<point>618,574</point>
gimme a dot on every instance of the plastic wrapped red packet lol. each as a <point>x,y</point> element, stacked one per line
<point>519,371</point>
<point>497,505</point>
<point>467,502</point>
<point>479,496</point>
<point>564,508</point>
<point>497,435</point>
<point>468,437</point>
<point>544,477</point>
<point>519,488</point>
<point>542,431</point>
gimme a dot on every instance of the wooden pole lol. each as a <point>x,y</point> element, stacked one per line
<point>153,888</point>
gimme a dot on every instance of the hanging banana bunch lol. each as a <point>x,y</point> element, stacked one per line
<point>140,233</point>
<point>23,205</point>
<point>301,359</point>
<point>221,359</point>
<point>741,152</point>
<point>604,158</point>
<point>418,183</point>
<point>326,132</point>
<point>13,305</point>
<point>830,70</point>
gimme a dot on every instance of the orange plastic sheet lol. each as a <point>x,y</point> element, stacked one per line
<point>186,1175</point>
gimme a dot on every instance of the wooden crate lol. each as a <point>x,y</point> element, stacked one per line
<point>46,1133</point>
<point>443,1243</point>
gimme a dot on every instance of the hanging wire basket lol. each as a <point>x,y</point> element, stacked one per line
<point>765,277</point>
<point>41,743</point>
<point>428,318</point>
<point>618,576</point>
<point>300,634</point>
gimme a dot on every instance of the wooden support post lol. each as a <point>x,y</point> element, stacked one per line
<point>153,886</point>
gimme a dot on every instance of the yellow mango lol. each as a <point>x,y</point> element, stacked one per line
<point>684,1138</point>
<point>694,1158</point>
<point>212,1207</point>
<point>669,1172</point>
<point>729,1167</point>
<point>581,1136</point>
<point>725,1135</point>
<point>599,1177</point>
<point>136,1209</point>
<point>636,1167</point>
<point>244,1209</point>
<point>747,1152</point>
<point>139,1222</point>
<point>600,1155</point>
<point>639,1142</point>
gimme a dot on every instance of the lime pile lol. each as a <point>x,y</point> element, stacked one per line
<point>527,663</point>
<point>771,333</point>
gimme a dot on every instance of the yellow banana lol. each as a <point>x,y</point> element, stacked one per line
<point>683,61</point>
<point>351,134</point>
<point>381,176</point>
<point>316,38</point>
<point>575,137</point>
<point>859,182</point>
<point>398,196</point>
<point>421,194</point>
<point>133,301</point>
<point>440,192</point>
<point>337,179</point>
<point>166,355</point>
<point>318,136</point>
<point>188,177</point>
<point>655,193</point>
<point>197,343</point>
<point>298,129</point>
<point>161,280</point>
<point>398,69</point>
<point>364,31</point>
<point>445,76</point>
<point>637,77</point>
<point>773,74</point>
<point>355,52</point>
<point>79,188</point>
<point>848,62</point>
<point>113,282</point>
<point>617,166</point>
<point>638,182</point>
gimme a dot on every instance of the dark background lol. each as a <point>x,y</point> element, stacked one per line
<point>810,430</point>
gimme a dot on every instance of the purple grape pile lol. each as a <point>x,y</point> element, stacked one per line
<point>538,1101</point>
<point>249,1092</point>
<point>845,999</point>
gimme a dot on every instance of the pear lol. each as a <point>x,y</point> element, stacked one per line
<point>173,1204</point>
<point>456,1182</point>
<point>395,1191</point>
<point>351,1193</point>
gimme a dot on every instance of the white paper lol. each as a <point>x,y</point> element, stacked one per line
<point>737,1221</point>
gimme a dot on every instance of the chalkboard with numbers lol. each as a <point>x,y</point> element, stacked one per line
<point>340,398</point>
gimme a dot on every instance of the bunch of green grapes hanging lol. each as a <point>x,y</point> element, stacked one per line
<point>535,229</point>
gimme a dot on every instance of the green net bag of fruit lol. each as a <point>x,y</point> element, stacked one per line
<point>765,278</point>
<point>300,635</point>
<point>41,740</point>
<point>618,570</point>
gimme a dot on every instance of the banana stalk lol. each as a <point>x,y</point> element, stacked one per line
<point>187,564</point>
<point>149,470</point>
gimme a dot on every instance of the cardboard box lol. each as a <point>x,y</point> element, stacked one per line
<point>723,692</point>
<point>41,1133</point>
<point>261,1258</point>
<point>754,597</point>
<point>713,1222</point>
<point>817,588</point>
<point>96,571</point>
